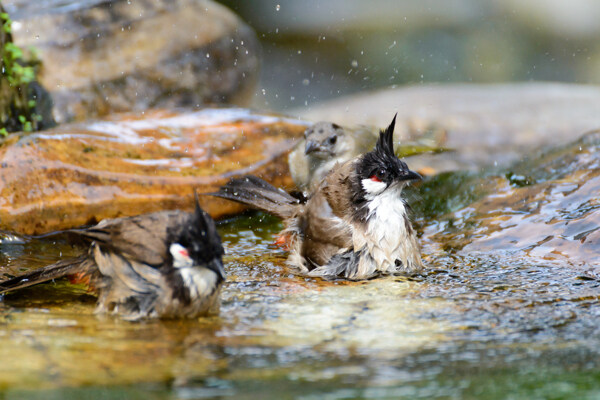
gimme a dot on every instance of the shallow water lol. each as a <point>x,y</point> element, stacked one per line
<point>491,318</point>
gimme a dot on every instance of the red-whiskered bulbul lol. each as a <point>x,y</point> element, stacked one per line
<point>166,264</point>
<point>355,225</point>
<point>324,145</point>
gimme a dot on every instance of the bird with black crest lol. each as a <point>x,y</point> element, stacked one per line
<point>166,264</point>
<point>355,225</point>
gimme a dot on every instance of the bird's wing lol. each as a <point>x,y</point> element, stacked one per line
<point>126,286</point>
<point>337,188</point>
<point>258,193</point>
<point>324,224</point>
<point>57,270</point>
<point>143,237</point>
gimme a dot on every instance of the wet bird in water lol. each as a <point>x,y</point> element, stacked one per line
<point>161,265</point>
<point>324,145</point>
<point>355,225</point>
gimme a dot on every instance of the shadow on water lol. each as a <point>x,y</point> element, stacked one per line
<point>499,314</point>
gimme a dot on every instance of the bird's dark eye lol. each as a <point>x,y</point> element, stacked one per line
<point>379,175</point>
<point>332,139</point>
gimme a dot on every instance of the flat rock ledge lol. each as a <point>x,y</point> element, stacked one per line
<point>132,164</point>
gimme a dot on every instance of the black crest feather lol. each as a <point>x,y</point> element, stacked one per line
<point>199,236</point>
<point>382,156</point>
<point>381,164</point>
<point>385,144</point>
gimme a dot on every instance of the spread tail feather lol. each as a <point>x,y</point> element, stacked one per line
<point>53,271</point>
<point>257,193</point>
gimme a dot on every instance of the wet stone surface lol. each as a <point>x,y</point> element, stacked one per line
<point>497,315</point>
<point>546,208</point>
<point>484,125</point>
<point>135,163</point>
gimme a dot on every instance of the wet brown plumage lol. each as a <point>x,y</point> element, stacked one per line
<point>353,224</point>
<point>165,264</point>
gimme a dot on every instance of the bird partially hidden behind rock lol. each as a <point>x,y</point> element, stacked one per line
<point>355,225</point>
<point>166,264</point>
<point>324,145</point>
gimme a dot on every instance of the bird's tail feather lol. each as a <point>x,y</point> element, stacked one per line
<point>53,271</point>
<point>257,193</point>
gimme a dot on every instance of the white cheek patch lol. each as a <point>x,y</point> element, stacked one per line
<point>181,259</point>
<point>373,187</point>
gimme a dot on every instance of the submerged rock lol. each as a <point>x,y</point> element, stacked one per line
<point>545,209</point>
<point>105,56</point>
<point>131,164</point>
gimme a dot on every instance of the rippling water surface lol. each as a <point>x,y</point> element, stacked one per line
<point>507,309</point>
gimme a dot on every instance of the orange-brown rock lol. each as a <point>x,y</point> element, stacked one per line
<point>133,164</point>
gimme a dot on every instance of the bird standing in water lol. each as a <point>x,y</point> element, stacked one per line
<point>162,265</point>
<point>355,225</point>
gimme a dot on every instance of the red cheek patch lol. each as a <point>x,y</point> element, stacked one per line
<point>184,253</point>
<point>374,178</point>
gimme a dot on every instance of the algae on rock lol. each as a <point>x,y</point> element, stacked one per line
<point>22,100</point>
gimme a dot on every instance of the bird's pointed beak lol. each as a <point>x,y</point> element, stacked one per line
<point>311,146</point>
<point>411,176</point>
<point>216,265</point>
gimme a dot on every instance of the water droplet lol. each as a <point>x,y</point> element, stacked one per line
<point>354,63</point>
<point>277,7</point>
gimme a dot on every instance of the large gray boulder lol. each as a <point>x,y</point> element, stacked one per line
<point>105,56</point>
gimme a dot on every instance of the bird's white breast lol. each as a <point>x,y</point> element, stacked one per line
<point>385,237</point>
<point>199,281</point>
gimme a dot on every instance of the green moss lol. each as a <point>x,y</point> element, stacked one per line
<point>17,103</point>
<point>445,192</point>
